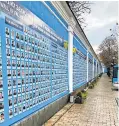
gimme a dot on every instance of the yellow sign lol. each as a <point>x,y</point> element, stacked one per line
<point>74,50</point>
<point>66,45</point>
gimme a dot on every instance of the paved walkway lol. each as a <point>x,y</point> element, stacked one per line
<point>100,108</point>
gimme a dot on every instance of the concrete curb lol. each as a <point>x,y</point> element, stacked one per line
<point>53,120</point>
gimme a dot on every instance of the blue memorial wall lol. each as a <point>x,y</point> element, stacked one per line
<point>79,45</point>
<point>95,74</point>
<point>79,65</point>
<point>79,41</point>
<point>97,68</point>
<point>33,60</point>
<point>34,68</point>
<point>90,67</point>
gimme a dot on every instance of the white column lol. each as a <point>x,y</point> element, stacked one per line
<point>87,65</point>
<point>93,68</point>
<point>70,58</point>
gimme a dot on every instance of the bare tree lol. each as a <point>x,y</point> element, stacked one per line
<point>108,50</point>
<point>79,8</point>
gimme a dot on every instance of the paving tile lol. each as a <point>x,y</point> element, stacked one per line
<point>100,108</point>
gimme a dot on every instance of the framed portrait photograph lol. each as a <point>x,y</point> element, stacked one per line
<point>2,116</point>
<point>8,52</point>
<point>13,53</point>
<point>17,36</point>
<point>7,31</point>
<point>26,38</point>
<point>12,34</point>
<point>9,72</point>
<point>7,42</point>
<point>22,38</point>
<point>13,72</point>
<point>13,43</point>
<point>10,112</point>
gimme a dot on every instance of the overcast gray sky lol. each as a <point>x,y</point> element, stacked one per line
<point>104,16</point>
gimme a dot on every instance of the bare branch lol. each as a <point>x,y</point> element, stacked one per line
<point>79,8</point>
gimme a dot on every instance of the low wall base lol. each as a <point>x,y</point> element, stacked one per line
<point>40,117</point>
